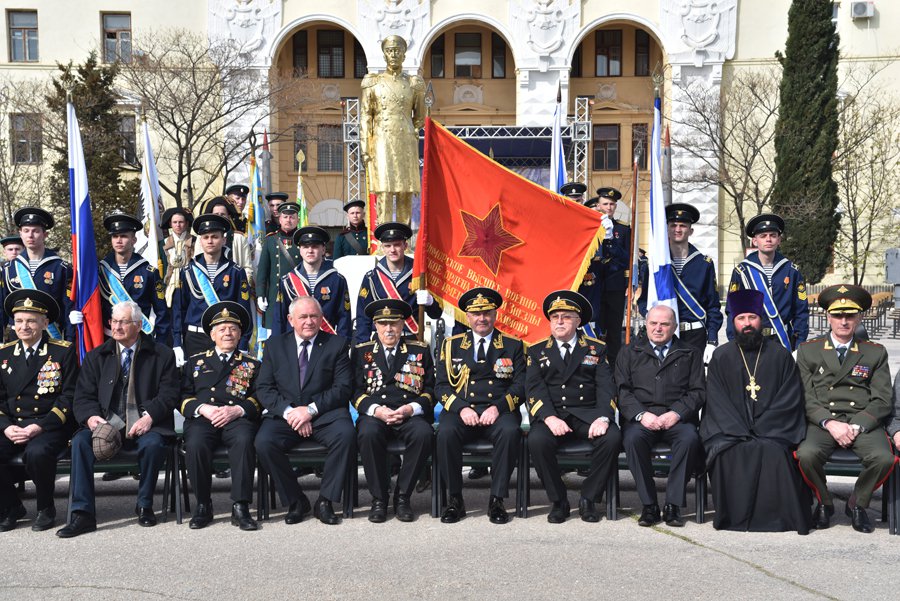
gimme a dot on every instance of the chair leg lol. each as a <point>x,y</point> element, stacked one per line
<point>612,494</point>
<point>185,489</point>
<point>352,474</point>
<point>700,497</point>
<point>525,476</point>
<point>170,463</point>
<point>435,512</point>
<point>177,499</point>
<point>260,493</point>
<point>69,503</point>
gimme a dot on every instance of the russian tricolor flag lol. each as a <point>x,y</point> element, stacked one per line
<point>85,293</point>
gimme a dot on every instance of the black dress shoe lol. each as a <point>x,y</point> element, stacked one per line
<point>297,511</point>
<point>111,476</point>
<point>203,516</point>
<point>587,509</point>
<point>649,516</point>
<point>454,511</point>
<point>378,515</point>
<point>325,512</point>
<point>476,473</point>
<point>822,516</point>
<point>559,512</point>
<point>859,517</point>
<point>12,517</point>
<point>403,510</point>
<point>223,474</point>
<point>82,523</point>
<point>145,515</point>
<point>672,515</point>
<point>496,511</point>
<point>240,517</point>
<point>46,519</point>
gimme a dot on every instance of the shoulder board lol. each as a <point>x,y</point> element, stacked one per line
<point>707,258</point>
<point>457,336</point>
<point>62,343</point>
<point>200,354</point>
<point>416,82</point>
<point>365,344</point>
<point>816,339</point>
<point>870,343</point>
<point>541,342</point>
<point>416,343</point>
<point>271,234</point>
<point>369,80</point>
<point>592,339</point>
<point>8,344</point>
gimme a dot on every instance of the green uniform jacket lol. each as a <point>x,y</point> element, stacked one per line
<point>855,392</point>
<point>273,266</point>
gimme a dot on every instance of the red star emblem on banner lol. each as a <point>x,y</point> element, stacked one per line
<point>486,238</point>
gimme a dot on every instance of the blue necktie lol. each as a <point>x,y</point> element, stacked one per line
<point>126,365</point>
<point>303,361</point>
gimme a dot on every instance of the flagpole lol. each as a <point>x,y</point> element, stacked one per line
<point>631,251</point>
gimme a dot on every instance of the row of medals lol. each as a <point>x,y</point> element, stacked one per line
<point>48,377</point>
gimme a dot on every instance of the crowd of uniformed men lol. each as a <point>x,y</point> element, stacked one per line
<point>198,315</point>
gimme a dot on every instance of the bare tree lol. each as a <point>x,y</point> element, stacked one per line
<point>729,136</point>
<point>202,98</point>
<point>865,171</point>
<point>23,156</point>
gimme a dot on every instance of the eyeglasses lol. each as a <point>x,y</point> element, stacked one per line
<point>121,322</point>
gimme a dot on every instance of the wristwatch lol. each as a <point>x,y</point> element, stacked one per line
<point>313,410</point>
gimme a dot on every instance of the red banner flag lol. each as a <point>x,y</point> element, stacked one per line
<point>483,225</point>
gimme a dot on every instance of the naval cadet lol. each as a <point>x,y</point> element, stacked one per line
<point>316,276</point>
<point>391,279</point>
<point>847,382</point>
<point>236,194</point>
<point>480,383</point>
<point>210,277</point>
<point>616,253</point>
<point>571,396</point>
<point>37,383</point>
<point>354,238</point>
<point>236,246</point>
<point>125,275</point>
<point>393,392</point>
<point>782,284</point>
<point>699,311</point>
<point>574,191</point>
<point>12,246</point>
<point>220,407</point>
<point>38,268</point>
<point>591,286</point>
<point>278,257</point>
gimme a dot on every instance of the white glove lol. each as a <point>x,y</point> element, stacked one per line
<point>423,298</point>
<point>262,303</point>
<point>179,356</point>
<point>608,226</point>
<point>707,353</point>
<point>76,317</point>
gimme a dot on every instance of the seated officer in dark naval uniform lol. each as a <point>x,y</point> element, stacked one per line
<point>37,382</point>
<point>125,275</point>
<point>782,284</point>
<point>316,276</point>
<point>570,396</point>
<point>354,238</point>
<point>847,382</point>
<point>393,392</point>
<point>699,311</point>
<point>481,383</point>
<point>209,277</point>
<point>391,279</point>
<point>38,268</point>
<point>131,383</point>
<point>220,407</point>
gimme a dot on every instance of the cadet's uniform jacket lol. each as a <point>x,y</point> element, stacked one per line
<point>208,381</point>
<point>143,285</point>
<point>53,276</point>
<point>410,380</point>
<point>499,380</point>
<point>698,274</point>
<point>857,391</point>
<point>330,290</point>
<point>583,388</point>
<point>40,393</point>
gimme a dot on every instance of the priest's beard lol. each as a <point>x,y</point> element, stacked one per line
<point>749,338</point>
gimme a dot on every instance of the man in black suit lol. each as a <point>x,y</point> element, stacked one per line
<point>661,390</point>
<point>43,371</point>
<point>220,407</point>
<point>481,382</point>
<point>394,394</point>
<point>570,396</point>
<point>130,382</point>
<point>304,384</point>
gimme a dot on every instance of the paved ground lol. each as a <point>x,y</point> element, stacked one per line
<point>526,559</point>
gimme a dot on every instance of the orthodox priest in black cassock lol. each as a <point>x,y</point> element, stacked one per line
<point>753,421</point>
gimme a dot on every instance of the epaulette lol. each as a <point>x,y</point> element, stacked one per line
<point>816,339</point>
<point>8,344</point>
<point>368,81</point>
<point>367,343</point>
<point>592,339</point>
<point>201,354</point>
<point>416,343</point>
<point>455,336</point>
<point>62,343</point>
<point>543,341</point>
<point>878,344</point>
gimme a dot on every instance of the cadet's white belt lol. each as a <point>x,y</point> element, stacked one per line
<point>686,326</point>
<point>195,329</point>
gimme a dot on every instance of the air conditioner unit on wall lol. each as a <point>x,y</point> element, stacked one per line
<point>862,10</point>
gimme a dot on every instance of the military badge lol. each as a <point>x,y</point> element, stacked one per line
<point>590,360</point>
<point>861,371</point>
<point>48,277</point>
<point>226,280</point>
<point>503,368</point>
<point>367,357</point>
<point>138,281</point>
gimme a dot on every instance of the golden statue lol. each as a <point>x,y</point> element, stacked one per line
<point>393,111</point>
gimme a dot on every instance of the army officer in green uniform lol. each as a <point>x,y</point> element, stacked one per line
<point>279,256</point>
<point>847,383</point>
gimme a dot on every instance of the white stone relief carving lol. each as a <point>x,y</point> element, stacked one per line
<point>331,92</point>
<point>699,32</point>
<point>252,24</point>
<point>468,93</point>
<point>379,19</point>
<point>606,92</point>
<point>542,27</point>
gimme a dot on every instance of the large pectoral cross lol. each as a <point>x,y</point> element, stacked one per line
<point>752,388</point>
